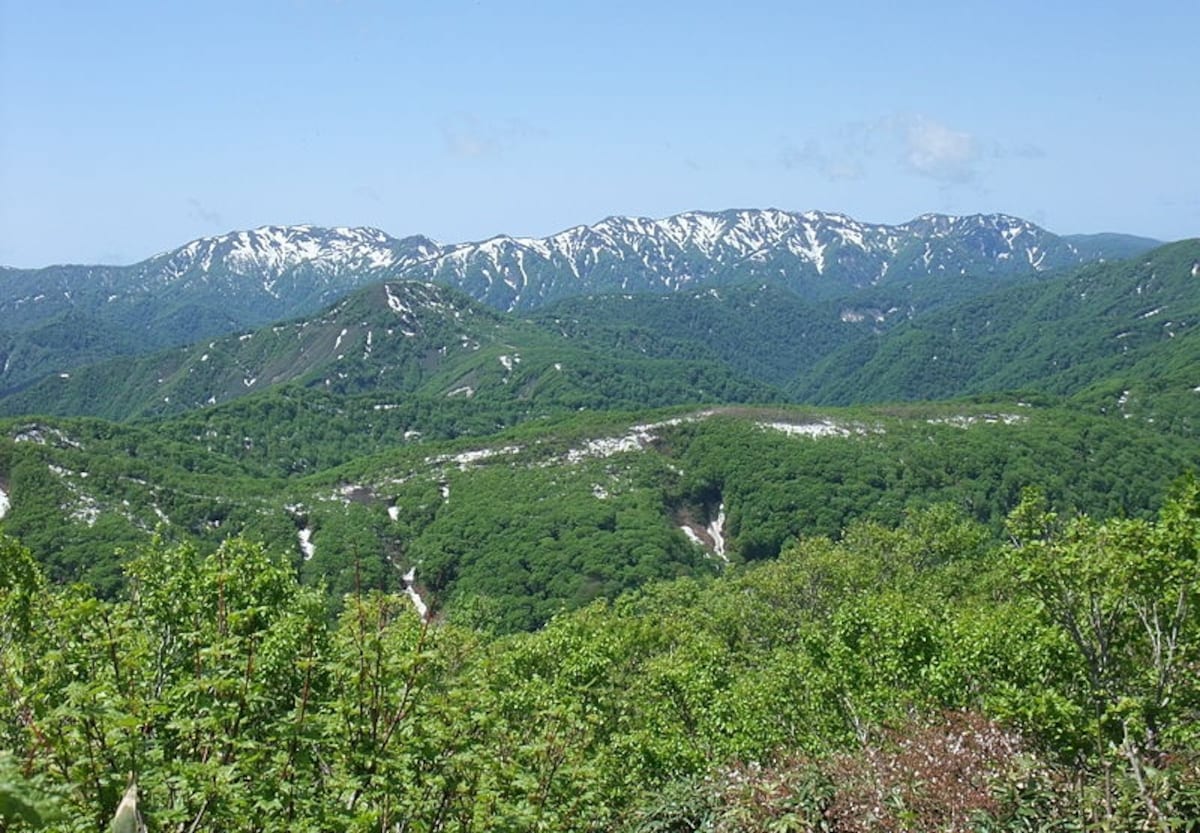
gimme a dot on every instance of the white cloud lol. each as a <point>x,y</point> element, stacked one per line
<point>465,137</point>
<point>939,152</point>
<point>923,145</point>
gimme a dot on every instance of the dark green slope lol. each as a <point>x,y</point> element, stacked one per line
<point>759,331</point>
<point>1061,336</point>
<point>1110,246</point>
<point>358,336</point>
<point>398,339</point>
<point>76,337</point>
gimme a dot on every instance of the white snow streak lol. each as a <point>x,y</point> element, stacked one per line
<point>966,421</point>
<point>812,429</point>
<point>409,580</point>
<point>306,545</point>
<point>638,438</point>
<point>716,531</point>
<point>395,303</point>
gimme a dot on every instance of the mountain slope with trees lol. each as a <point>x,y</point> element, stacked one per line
<point>412,561</point>
<point>506,529</point>
<point>401,339</point>
<point>908,677</point>
<point>1059,336</point>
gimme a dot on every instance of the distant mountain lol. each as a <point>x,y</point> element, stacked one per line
<point>60,317</point>
<point>817,255</point>
<point>915,340</point>
<point>1110,246</point>
<point>1126,332</point>
<point>400,338</point>
<point>761,332</point>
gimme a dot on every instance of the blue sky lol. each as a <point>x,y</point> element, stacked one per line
<point>128,128</point>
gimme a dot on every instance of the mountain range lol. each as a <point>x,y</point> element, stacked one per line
<point>619,510</point>
<point>1123,329</point>
<point>352,422</point>
<point>59,317</point>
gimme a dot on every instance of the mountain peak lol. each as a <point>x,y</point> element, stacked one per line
<point>275,249</point>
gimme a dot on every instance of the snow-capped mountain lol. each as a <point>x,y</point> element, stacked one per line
<point>814,253</point>
<point>250,277</point>
<point>55,318</point>
<point>271,254</point>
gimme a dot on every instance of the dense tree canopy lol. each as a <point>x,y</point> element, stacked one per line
<point>911,676</point>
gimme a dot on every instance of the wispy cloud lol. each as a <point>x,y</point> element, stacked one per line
<point>367,192</point>
<point>840,155</point>
<point>1027,151</point>
<point>920,144</point>
<point>837,164</point>
<point>200,212</point>
<point>467,136</point>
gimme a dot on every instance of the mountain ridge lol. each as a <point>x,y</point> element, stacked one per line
<point>59,317</point>
<point>403,338</point>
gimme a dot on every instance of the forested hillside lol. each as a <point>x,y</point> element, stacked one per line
<point>1057,336</point>
<point>908,677</point>
<point>510,528</point>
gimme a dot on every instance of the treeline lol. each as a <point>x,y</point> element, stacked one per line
<point>910,677</point>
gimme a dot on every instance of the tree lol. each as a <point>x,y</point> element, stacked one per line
<point>1126,593</point>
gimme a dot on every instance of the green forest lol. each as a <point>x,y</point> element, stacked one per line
<point>909,677</point>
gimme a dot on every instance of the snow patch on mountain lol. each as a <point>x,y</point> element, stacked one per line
<point>823,428</point>
<point>410,589</point>
<point>469,459</point>
<point>271,251</point>
<point>967,420</point>
<point>693,536</point>
<point>45,435</point>
<point>699,246</point>
<point>638,438</point>
<point>86,509</point>
<point>716,531</point>
<point>307,547</point>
